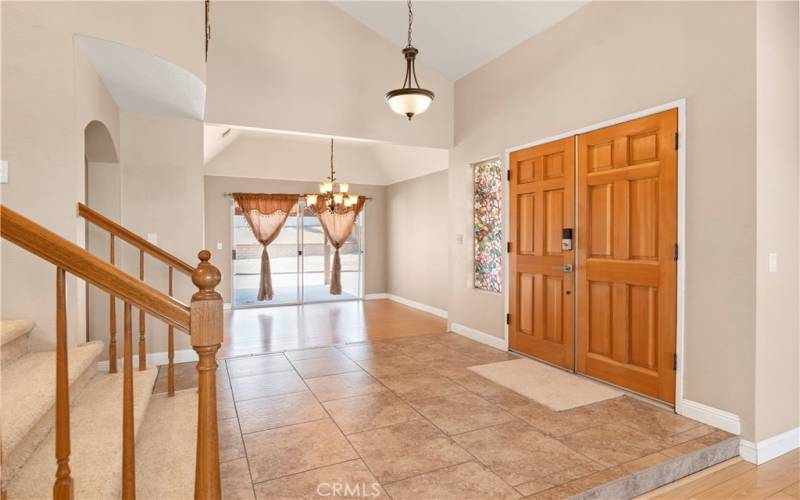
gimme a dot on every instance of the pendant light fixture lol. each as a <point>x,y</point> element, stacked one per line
<point>411,99</point>
<point>336,194</point>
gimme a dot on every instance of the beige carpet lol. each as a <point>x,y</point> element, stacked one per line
<point>554,388</point>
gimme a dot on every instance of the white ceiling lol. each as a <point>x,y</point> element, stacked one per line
<point>457,37</point>
<point>142,82</point>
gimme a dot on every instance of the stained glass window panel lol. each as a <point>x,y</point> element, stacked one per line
<point>488,225</point>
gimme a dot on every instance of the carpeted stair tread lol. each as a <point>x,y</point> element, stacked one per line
<point>11,329</point>
<point>28,388</point>
<point>96,435</point>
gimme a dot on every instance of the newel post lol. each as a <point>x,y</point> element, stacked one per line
<point>206,333</point>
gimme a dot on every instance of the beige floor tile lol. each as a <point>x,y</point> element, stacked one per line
<point>482,386</point>
<point>370,411</point>
<point>412,386</point>
<point>408,449</point>
<point>257,365</point>
<point>235,478</point>
<point>554,423</point>
<point>348,480</point>
<point>320,352</point>
<point>367,350</point>
<point>344,385</point>
<point>267,384</point>
<point>461,412</point>
<point>277,411</point>
<point>320,367</point>
<point>230,440</point>
<point>518,453</point>
<point>561,477</point>
<point>464,481</point>
<point>648,418</point>
<point>390,365</point>
<point>296,448</point>
<point>613,444</point>
<point>225,405</point>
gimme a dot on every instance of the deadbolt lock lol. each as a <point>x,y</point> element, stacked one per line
<point>567,268</point>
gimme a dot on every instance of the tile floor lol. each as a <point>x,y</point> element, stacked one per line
<point>405,418</point>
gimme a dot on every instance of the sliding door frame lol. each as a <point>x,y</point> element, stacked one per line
<point>362,259</point>
<point>680,105</point>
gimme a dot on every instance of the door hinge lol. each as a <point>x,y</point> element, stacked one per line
<point>675,361</point>
<point>675,252</point>
<point>508,246</point>
<point>508,318</point>
<point>508,175</point>
<point>676,140</point>
<point>233,254</point>
<point>299,252</point>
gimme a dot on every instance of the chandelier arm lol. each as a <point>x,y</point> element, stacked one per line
<point>414,72</point>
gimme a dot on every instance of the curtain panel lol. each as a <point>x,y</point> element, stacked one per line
<point>265,214</point>
<point>337,225</point>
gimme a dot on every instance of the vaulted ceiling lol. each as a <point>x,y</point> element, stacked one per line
<point>457,37</point>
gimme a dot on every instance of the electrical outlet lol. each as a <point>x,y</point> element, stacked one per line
<point>219,245</point>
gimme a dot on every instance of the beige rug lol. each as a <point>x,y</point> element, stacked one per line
<point>554,388</point>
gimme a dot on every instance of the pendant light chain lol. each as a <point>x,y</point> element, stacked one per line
<point>410,22</point>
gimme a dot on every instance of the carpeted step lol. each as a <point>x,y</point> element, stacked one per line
<point>14,338</point>
<point>96,435</point>
<point>29,396</point>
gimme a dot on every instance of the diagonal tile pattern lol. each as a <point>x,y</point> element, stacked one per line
<point>404,418</point>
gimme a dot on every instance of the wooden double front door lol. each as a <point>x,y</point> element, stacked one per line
<point>606,306</point>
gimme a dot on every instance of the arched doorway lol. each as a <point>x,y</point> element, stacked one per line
<point>103,183</point>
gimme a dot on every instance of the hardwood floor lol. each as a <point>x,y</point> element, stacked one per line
<point>270,329</point>
<point>778,479</point>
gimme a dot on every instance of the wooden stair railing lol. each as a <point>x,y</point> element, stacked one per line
<point>145,248</point>
<point>202,320</point>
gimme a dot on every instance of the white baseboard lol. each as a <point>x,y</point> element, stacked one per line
<point>407,302</point>
<point>709,415</point>
<point>376,296</point>
<point>156,359</point>
<point>764,451</point>
<point>479,336</point>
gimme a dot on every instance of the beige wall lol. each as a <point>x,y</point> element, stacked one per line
<point>218,223</point>
<point>309,67</point>
<point>162,193</point>
<point>607,60</point>
<point>416,239</point>
<point>50,94</point>
<point>777,379</point>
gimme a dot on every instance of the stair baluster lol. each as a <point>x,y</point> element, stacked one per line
<point>63,489</point>
<point>142,348</point>
<point>206,332</point>
<point>112,317</point>
<point>128,445</point>
<point>170,349</point>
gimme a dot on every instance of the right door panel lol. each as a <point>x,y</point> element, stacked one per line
<point>627,229</point>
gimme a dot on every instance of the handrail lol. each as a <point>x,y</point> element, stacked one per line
<point>134,239</point>
<point>53,248</point>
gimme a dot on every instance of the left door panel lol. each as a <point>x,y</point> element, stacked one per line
<point>542,206</point>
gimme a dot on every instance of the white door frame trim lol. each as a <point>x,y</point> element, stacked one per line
<point>680,104</point>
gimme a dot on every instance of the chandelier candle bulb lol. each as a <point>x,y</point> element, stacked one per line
<point>344,187</point>
<point>311,199</point>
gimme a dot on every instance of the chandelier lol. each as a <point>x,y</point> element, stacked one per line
<point>335,194</point>
<point>409,100</point>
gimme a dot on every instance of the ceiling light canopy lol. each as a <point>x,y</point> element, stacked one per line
<point>410,99</point>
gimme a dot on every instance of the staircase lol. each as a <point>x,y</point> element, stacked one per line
<point>69,431</point>
<point>28,417</point>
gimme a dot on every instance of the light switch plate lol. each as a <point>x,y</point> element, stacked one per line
<point>773,263</point>
<point>219,245</point>
<point>460,239</point>
<point>152,238</point>
<point>3,171</point>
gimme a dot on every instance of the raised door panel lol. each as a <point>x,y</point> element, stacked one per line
<point>627,220</point>
<point>541,293</point>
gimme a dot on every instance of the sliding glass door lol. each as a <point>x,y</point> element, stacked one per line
<point>301,259</point>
